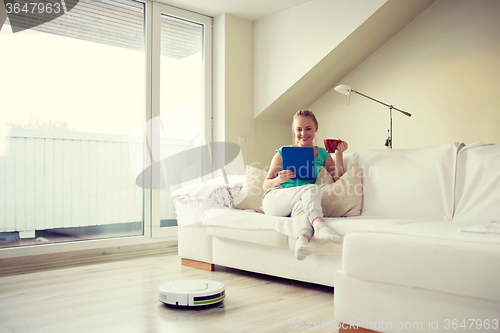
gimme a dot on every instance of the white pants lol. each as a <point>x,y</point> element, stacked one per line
<point>302,203</point>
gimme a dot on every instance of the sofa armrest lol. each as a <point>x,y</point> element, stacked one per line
<point>195,243</point>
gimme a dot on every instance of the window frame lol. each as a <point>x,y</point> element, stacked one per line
<point>151,214</point>
<point>157,10</point>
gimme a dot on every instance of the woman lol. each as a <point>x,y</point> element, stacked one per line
<point>301,199</point>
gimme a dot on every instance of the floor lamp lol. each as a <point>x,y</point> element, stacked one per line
<point>346,90</point>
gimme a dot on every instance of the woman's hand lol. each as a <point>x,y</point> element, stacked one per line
<point>342,147</point>
<point>284,175</point>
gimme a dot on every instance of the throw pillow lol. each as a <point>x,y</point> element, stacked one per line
<point>250,196</point>
<point>323,178</point>
<point>344,197</point>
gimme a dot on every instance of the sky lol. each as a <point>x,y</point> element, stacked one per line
<point>92,87</point>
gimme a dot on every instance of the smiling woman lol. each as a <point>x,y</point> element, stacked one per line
<point>285,195</point>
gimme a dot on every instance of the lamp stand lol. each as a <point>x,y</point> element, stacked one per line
<point>388,141</point>
<point>346,90</point>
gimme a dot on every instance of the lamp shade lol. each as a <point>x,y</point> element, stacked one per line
<point>343,89</point>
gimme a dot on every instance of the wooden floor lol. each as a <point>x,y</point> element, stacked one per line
<point>122,296</point>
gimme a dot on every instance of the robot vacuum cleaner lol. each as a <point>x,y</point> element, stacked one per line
<point>192,292</point>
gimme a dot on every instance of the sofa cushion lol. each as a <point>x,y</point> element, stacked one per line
<point>248,226</point>
<point>344,197</point>
<point>477,196</point>
<point>261,237</point>
<point>251,220</point>
<point>318,248</point>
<point>247,219</point>
<point>250,196</point>
<point>275,231</point>
<point>342,226</point>
<point>409,183</point>
<point>428,255</point>
<point>323,178</point>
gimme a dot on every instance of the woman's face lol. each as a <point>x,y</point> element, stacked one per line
<point>304,129</point>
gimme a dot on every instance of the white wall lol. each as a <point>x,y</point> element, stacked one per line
<point>239,81</point>
<point>219,73</point>
<point>289,43</point>
<point>443,68</point>
<point>233,93</point>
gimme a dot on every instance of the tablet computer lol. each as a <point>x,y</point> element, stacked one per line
<point>300,160</point>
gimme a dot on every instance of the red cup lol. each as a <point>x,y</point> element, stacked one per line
<point>331,145</point>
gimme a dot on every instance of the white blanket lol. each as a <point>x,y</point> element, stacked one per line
<point>192,201</point>
<point>213,193</point>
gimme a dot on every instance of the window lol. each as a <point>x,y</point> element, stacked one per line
<point>78,88</point>
<point>181,57</point>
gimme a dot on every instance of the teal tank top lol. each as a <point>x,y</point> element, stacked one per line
<point>319,161</point>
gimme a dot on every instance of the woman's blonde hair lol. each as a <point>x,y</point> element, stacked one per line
<point>305,113</point>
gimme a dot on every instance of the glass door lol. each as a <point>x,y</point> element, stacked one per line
<point>72,90</point>
<point>181,107</point>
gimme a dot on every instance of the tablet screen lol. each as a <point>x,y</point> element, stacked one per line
<point>300,160</point>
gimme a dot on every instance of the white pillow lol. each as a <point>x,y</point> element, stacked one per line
<point>250,196</point>
<point>344,197</point>
<point>477,196</point>
<point>409,183</point>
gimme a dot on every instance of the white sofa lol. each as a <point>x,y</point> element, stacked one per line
<point>427,276</point>
<point>404,260</point>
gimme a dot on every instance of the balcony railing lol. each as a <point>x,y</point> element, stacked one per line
<point>51,179</point>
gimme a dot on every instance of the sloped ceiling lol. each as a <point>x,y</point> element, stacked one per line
<point>385,23</point>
